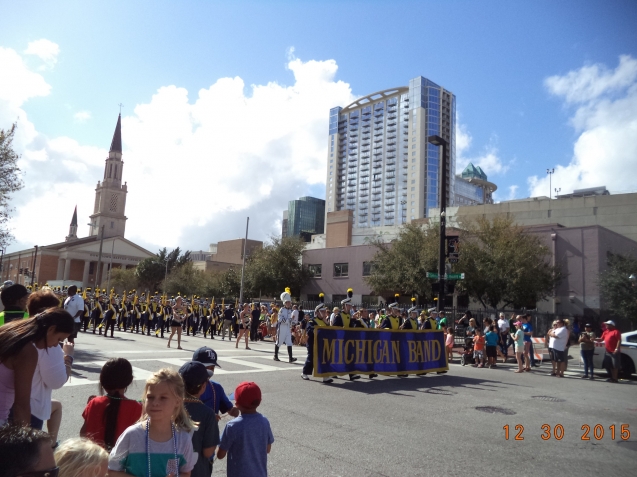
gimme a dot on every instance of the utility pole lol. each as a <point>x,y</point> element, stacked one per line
<point>110,267</point>
<point>99,258</point>
<point>243,267</point>
<point>35,262</point>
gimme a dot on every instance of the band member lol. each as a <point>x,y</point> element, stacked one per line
<point>98,312</point>
<point>177,323</point>
<point>411,323</point>
<point>320,317</point>
<point>86,317</point>
<point>110,317</point>
<point>342,318</point>
<point>284,326</point>
<point>392,321</point>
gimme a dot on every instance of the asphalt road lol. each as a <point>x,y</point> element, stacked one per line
<point>427,425</point>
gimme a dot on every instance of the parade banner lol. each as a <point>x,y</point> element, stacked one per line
<point>375,351</point>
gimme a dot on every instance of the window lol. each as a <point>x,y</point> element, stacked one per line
<point>112,225</point>
<point>368,268</point>
<point>315,270</point>
<point>341,270</point>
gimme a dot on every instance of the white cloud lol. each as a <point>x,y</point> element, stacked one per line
<point>82,116</point>
<point>489,159</point>
<point>512,192</point>
<point>44,49</point>
<point>195,166</point>
<point>605,117</point>
<point>590,82</point>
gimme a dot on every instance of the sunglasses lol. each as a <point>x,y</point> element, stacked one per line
<point>43,473</point>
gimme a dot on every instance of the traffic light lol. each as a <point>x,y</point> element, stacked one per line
<point>20,271</point>
<point>451,286</point>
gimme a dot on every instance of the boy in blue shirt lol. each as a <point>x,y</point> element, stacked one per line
<point>247,440</point>
<point>491,339</point>
<point>213,396</point>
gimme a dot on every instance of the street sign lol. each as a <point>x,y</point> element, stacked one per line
<point>432,275</point>
<point>455,276</point>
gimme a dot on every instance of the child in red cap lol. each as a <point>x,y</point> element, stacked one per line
<point>248,438</point>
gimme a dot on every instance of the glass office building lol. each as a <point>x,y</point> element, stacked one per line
<point>380,164</point>
<point>305,217</point>
<point>473,188</point>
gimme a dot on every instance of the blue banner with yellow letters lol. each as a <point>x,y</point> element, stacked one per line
<point>366,351</point>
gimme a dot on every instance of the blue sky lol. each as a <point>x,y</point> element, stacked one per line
<point>496,56</point>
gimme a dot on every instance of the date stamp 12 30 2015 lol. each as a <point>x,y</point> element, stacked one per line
<point>587,433</point>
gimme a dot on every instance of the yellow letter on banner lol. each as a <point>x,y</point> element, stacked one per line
<point>412,351</point>
<point>328,351</point>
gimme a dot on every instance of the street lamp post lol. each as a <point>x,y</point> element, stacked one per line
<point>438,141</point>
<point>166,275</point>
<point>550,172</point>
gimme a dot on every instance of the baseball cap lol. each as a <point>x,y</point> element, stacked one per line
<point>517,323</point>
<point>609,322</point>
<point>587,325</point>
<point>194,373</point>
<point>205,355</point>
<point>248,395</point>
<point>12,294</point>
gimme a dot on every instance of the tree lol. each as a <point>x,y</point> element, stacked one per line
<point>276,266</point>
<point>504,265</point>
<point>227,284</point>
<point>124,279</point>
<point>402,265</point>
<point>10,181</point>
<point>185,280</point>
<point>151,271</point>
<point>616,288</point>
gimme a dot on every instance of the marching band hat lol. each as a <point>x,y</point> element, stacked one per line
<point>413,309</point>
<point>286,295</point>
<point>320,307</point>
<point>393,305</point>
<point>348,300</point>
<point>432,310</point>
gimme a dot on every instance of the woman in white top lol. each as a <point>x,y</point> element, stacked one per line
<point>52,371</point>
<point>19,345</point>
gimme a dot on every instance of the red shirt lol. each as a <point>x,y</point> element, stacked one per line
<point>129,413</point>
<point>611,339</point>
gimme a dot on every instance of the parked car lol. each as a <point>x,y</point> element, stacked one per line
<point>628,354</point>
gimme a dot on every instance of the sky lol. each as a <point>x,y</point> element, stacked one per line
<point>226,104</point>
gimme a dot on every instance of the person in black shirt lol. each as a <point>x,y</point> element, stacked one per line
<point>254,324</point>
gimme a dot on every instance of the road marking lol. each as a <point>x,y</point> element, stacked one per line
<point>141,374</point>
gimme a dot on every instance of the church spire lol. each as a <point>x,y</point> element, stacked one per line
<point>116,143</point>
<point>73,227</point>
<point>74,219</point>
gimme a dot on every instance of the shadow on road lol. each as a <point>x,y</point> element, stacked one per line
<point>433,384</point>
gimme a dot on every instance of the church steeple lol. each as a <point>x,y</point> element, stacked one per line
<point>116,143</point>
<point>110,194</point>
<point>73,227</point>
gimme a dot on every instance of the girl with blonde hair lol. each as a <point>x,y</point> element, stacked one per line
<point>160,443</point>
<point>80,457</point>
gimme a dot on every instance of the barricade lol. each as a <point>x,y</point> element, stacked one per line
<point>543,349</point>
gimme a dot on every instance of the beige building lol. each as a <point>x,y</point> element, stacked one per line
<point>614,212</point>
<point>224,255</point>
<point>75,261</point>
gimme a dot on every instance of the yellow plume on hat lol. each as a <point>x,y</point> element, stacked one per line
<point>287,290</point>
<point>413,299</point>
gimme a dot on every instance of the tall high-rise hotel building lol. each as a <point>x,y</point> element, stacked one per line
<point>380,164</point>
